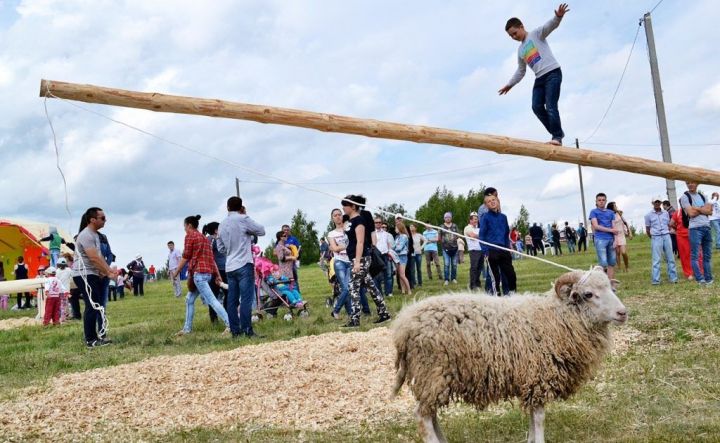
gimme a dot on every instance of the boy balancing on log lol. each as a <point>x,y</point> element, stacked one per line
<point>535,52</point>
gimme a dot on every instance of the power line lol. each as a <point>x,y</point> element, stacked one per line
<point>612,100</point>
<point>656,5</point>
<point>405,177</point>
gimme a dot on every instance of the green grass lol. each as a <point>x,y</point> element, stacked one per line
<point>665,388</point>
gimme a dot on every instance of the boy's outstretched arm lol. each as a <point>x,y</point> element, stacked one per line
<point>519,74</point>
<point>554,22</point>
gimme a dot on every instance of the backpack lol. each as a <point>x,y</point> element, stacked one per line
<point>685,218</point>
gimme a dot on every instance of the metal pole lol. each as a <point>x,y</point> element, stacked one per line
<point>582,190</point>
<point>659,106</point>
<point>237,186</point>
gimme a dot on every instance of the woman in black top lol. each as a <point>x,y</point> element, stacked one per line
<point>359,230</point>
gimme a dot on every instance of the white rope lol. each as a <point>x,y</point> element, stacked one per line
<point>298,185</point>
<point>82,269</point>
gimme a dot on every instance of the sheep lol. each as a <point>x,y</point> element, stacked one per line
<point>482,350</point>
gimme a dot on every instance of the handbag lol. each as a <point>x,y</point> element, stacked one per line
<point>377,262</point>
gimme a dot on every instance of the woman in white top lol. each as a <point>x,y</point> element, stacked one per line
<point>337,242</point>
<point>622,229</point>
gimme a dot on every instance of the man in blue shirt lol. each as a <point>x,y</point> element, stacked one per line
<point>601,220</point>
<point>657,227</point>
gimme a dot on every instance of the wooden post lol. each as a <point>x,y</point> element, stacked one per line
<point>372,128</point>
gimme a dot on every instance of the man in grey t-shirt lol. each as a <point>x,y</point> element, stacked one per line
<point>697,209</point>
<point>535,52</point>
<point>89,267</point>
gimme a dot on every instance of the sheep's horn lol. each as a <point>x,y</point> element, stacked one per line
<point>569,278</point>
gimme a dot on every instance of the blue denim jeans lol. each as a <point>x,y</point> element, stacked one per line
<point>450,262</point>
<point>203,290</point>
<point>701,238</point>
<point>571,246</point>
<point>241,291</point>
<point>104,300</point>
<point>716,227</point>
<point>605,250</point>
<point>417,259</point>
<point>342,274</point>
<point>662,248</point>
<point>54,257</point>
<point>545,97</point>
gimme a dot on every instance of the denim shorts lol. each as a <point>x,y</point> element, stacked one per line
<point>403,259</point>
<point>605,250</point>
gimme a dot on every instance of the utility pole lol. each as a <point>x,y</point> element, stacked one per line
<point>659,106</point>
<point>237,186</point>
<point>582,190</point>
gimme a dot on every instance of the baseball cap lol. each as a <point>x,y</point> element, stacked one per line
<point>447,214</point>
<point>657,198</point>
<point>473,214</point>
<point>62,261</point>
<point>50,270</point>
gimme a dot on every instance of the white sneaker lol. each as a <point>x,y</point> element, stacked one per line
<point>389,295</point>
<point>454,281</point>
<point>446,283</point>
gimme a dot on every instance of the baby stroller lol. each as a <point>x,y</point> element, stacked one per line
<point>269,298</point>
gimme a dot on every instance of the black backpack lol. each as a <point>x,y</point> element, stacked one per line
<point>685,218</point>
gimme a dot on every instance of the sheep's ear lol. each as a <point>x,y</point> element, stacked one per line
<point>598,268</point>
<point>614,282</point>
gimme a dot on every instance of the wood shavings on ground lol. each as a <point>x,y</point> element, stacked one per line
<point>308,383</point>
<point>12,323</point>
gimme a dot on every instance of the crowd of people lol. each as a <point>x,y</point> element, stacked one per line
<point>365,257</point>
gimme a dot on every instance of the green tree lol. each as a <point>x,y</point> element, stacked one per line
<point>522,222</point>
<point>307,235</point>
<point>270,253</point>
<point>443,200</point>
<point>389,215</point>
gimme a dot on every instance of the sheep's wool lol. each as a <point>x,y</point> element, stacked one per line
<point>482,349</point>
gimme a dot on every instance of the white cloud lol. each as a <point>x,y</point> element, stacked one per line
<point>565,183</point>
<point>427,64</point>
<point>709,99</point>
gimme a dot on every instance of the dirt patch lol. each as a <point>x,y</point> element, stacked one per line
<point>308,383</point>
<point>13,323</point>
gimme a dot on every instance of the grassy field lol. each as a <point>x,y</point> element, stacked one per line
<point>666,387</point>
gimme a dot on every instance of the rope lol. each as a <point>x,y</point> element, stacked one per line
<point>82,269</point>
<point>617,88</point>
<point>297,185</point>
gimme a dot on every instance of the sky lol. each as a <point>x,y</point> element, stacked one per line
<point>423,62</point>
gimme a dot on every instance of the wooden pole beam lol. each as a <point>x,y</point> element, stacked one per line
<point>372,128</point>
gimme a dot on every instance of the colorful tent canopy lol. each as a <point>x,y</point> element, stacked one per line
<point>21,238</point>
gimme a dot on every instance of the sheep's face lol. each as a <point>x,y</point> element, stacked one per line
<point>592,294</point>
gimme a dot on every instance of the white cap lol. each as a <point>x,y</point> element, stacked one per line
<point>657,198</point>
<point>62,261</point>
<point>51,270</point>
<point>138,256</point>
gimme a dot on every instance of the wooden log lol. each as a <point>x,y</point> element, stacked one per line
<point>373,128</point>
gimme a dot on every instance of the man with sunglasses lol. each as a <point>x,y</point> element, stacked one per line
<point>89,268</point>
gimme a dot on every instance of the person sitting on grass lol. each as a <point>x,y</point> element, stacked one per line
<point>284,286</point>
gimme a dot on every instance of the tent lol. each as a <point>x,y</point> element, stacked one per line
<point>21,238</point>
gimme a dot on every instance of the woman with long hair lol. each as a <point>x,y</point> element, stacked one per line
<point>201,266</point>
<point>622,229</point>
<point>401,248</point>
<point>359,230</point>
<point>337,242</point>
